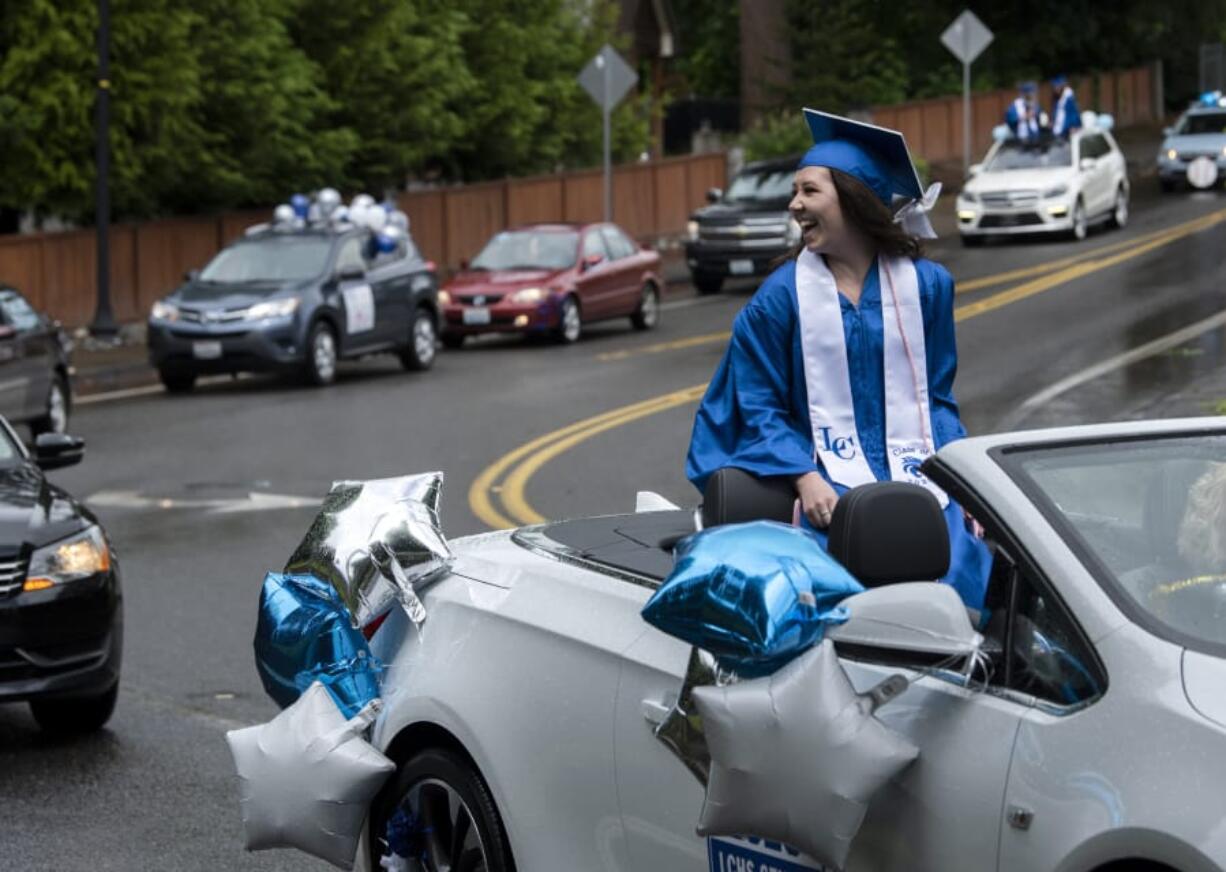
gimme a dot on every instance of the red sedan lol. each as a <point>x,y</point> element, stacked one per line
<point>552,278</point>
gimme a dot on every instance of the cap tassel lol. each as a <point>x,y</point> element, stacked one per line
<point>914,216</point>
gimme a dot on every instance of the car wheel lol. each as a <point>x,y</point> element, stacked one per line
<point>1119,215</point>
<point>441,815</point>
<point>1080,225</point>
<point>420,353</point>
<point>453,340</point>
<point>570,324</point>
<point>320,366</point>
<point>707,284</point>
<point>647,315</point>
<point>972,241</point>
<point>177,381</point>
<point>59,400</point>
<point>77,715</point>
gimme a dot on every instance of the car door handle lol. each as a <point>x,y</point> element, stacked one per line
<point>655,711</point>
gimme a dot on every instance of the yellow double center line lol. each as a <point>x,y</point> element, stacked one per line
<point>506,478</point>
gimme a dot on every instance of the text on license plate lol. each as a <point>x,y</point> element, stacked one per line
<point>727,854</point>
<point>206,350</point>
<point>477,315</point>
<point>740,267</point>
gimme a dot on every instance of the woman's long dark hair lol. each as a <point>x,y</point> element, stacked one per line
<point>868,215</point>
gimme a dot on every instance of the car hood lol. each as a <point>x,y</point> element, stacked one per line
<point>729,211</point>
<point>1195,142</point>
<point>1019,180</point>
<point>500,280</point>
<point>35,512</point>
<point>232,294</point>
<point>1204,681</point>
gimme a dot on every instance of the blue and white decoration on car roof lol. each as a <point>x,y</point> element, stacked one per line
<point>385,220</point>
<point>878,157</point>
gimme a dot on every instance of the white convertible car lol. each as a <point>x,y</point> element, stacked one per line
<point>1051,186</point>
<point>521,715</point>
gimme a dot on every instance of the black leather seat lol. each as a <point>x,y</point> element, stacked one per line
<point>734,496</point>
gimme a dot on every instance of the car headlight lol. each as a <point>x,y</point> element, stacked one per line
<point>163,311</point>
<point>444,298</point>
<point>1171,154</point>
<point>79,556</point>
<point>529,295</point>
<point>1057,191</point>
<point>793,234</point>
<point>691,230</point>
<point>969,196</point>
<point>273,309</point>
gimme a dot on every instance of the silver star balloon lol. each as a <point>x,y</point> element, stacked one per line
<point>796,756</point>
<point>377,542</point>
<point>308,777</point>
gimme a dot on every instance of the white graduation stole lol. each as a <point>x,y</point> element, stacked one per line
<point>908,419</point>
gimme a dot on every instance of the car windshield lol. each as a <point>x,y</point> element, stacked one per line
<point>1203,122</point>
<point>9,453</point>
<point>529,249</point>
<point>754,187</point>
<point>1152,513</point>
<point>1013,155</point>
<point>270,259</point>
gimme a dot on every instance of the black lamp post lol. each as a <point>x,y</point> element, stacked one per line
<point>104,322</point>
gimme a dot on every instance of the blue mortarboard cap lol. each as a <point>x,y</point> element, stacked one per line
<point>1028,88</point>
<point>877,156</point>
<point>1059,81</point>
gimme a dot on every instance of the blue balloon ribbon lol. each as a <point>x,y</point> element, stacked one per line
<point>755,595</point>
<point>304,634</point>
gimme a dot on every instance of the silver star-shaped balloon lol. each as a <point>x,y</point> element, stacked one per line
<point>377,542</point>
<point>796,756</point>
<point>681,729</point>
<point>308,777</point>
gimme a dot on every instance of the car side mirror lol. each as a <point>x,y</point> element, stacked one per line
<point>592,260</point>
<point>1088,163</point>
<point>54,450</point>
<point>353,272</point>
<point>714,195</point>
<point>974,169</point>
<point>924,617</point>
<point>191,275</point>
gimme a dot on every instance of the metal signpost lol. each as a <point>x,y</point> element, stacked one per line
<point>967,37</point>
<point>607,78</point>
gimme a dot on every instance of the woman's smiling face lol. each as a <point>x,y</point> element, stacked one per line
<point>815,206</point>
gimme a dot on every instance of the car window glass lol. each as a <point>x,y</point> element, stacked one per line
<point>17,311</point>
<point>269,259</point>
<point>1014,155</point>
<point>617,243</point>
<point>1033,644</point>
<point>1093,146</point>
<point>528,249</point>
<point>1203,122</point>
<point>350,256</point>
<point>757,186</point>
<point>593,243</point>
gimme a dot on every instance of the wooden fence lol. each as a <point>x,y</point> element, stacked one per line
<point>57,270</point>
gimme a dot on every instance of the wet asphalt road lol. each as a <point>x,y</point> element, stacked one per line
<point>156,790</point>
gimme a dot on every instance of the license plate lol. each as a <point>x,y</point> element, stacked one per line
<point>477,315</point>
<point>736,854</point>
<point>206,350</point>
<point>740,267</point>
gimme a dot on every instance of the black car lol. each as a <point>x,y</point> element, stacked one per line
<point>35,388</point>
<point>745,229</point>
<point>61,615</point>
<point>297,300</point>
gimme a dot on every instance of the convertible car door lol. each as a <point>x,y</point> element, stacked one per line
<point>942,813</point>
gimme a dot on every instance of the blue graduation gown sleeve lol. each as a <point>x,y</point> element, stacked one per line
<point>747,419</point>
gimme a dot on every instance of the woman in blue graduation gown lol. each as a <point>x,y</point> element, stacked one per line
<point>840,369</point>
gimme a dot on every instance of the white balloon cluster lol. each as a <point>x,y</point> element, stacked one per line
<point>385,220</point>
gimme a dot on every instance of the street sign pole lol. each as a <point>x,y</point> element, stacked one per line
<point>966,118</point>
<point>608,156</point>
<point>607,78</point>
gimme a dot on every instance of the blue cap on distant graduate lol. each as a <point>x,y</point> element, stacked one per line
<point>1028,88</point>
<point>1059,80</point>
<point>876,156</point>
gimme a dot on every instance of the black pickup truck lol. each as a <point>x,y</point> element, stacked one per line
<point>744,230</point>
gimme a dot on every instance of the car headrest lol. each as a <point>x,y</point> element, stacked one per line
<point>733,496</point>
<point>890,531</point>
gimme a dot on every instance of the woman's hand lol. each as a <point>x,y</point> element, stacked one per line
<point>817,499</point>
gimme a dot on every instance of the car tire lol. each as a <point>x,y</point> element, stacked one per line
<point>570,321</point>
<point>972,241</point>
<point>319,368</point>
<point>453,341</point>
<point>419,354</point>
<point>444,793</point>
<point>177,381</point>
<point>706,284</point>
<point>1119,212</point>
<point>1167,185</point>
<point>647,315</point>
<point>59,404</point>
<point>75,716</point>
<point>1081,227</point>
